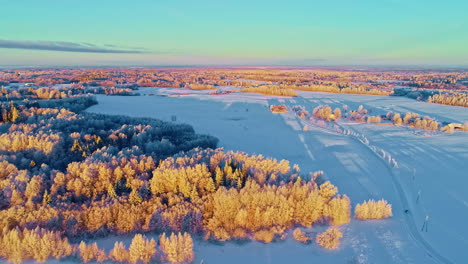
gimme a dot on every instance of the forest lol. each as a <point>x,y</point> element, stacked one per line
<point>68,177</point>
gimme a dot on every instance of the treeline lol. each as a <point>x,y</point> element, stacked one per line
<point>414,93</point>
<point>202,87</point>
<point>41,245</point>
<point>59,84</point>
<point>374,82</point>
<point>270,90</point>
<point>56,138</point>
<point>458,99</point>
<point>18,141</point>
<point>43,93</point>
<point>439,81</point>
<point>75,104</point>
<point>343,89</point>
<point>290,90</point>
<point>72,91</point>
<point>454,98</point>
<point>13,109</point>
<point>111,91</point>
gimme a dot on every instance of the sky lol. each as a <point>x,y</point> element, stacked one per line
<point>233,32</point>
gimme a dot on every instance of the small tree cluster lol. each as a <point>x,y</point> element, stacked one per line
<point>373,210</point>
<point>141,249</point>
<point>358,115</point>
<point>38,244</point>
<point>278,109</point>
<point>300,236</point>
<point>330,239</point>
<point>119,253</point>
<point>300,111</point>
<point>323,112</point>
<point>177,248</point>
<point>395,118</point>
<point>9,114</point>
<point>373,119</point>
<point>413,120</point>
<point>91,252</point>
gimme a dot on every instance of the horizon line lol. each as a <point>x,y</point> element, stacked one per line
<point>337,66</point>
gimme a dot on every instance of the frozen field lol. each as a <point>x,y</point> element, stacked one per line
<point>430,180</point>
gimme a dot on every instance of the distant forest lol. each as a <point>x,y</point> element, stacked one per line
<point>449,88</point>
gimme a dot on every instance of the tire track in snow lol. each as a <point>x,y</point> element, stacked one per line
<point>296,123</point>
<point>301,138</point>
<point>409,220</point>
<point>359,243</point>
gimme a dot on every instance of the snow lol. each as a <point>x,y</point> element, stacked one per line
<point>365,162</point>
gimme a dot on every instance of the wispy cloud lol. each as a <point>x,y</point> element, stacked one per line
<point>67,47</point>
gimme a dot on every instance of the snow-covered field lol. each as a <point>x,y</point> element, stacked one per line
<point>430,180</point>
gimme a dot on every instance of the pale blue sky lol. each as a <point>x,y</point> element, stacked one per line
<point>155,32</point>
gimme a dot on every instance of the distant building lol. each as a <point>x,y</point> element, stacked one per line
<point>456,126</point>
